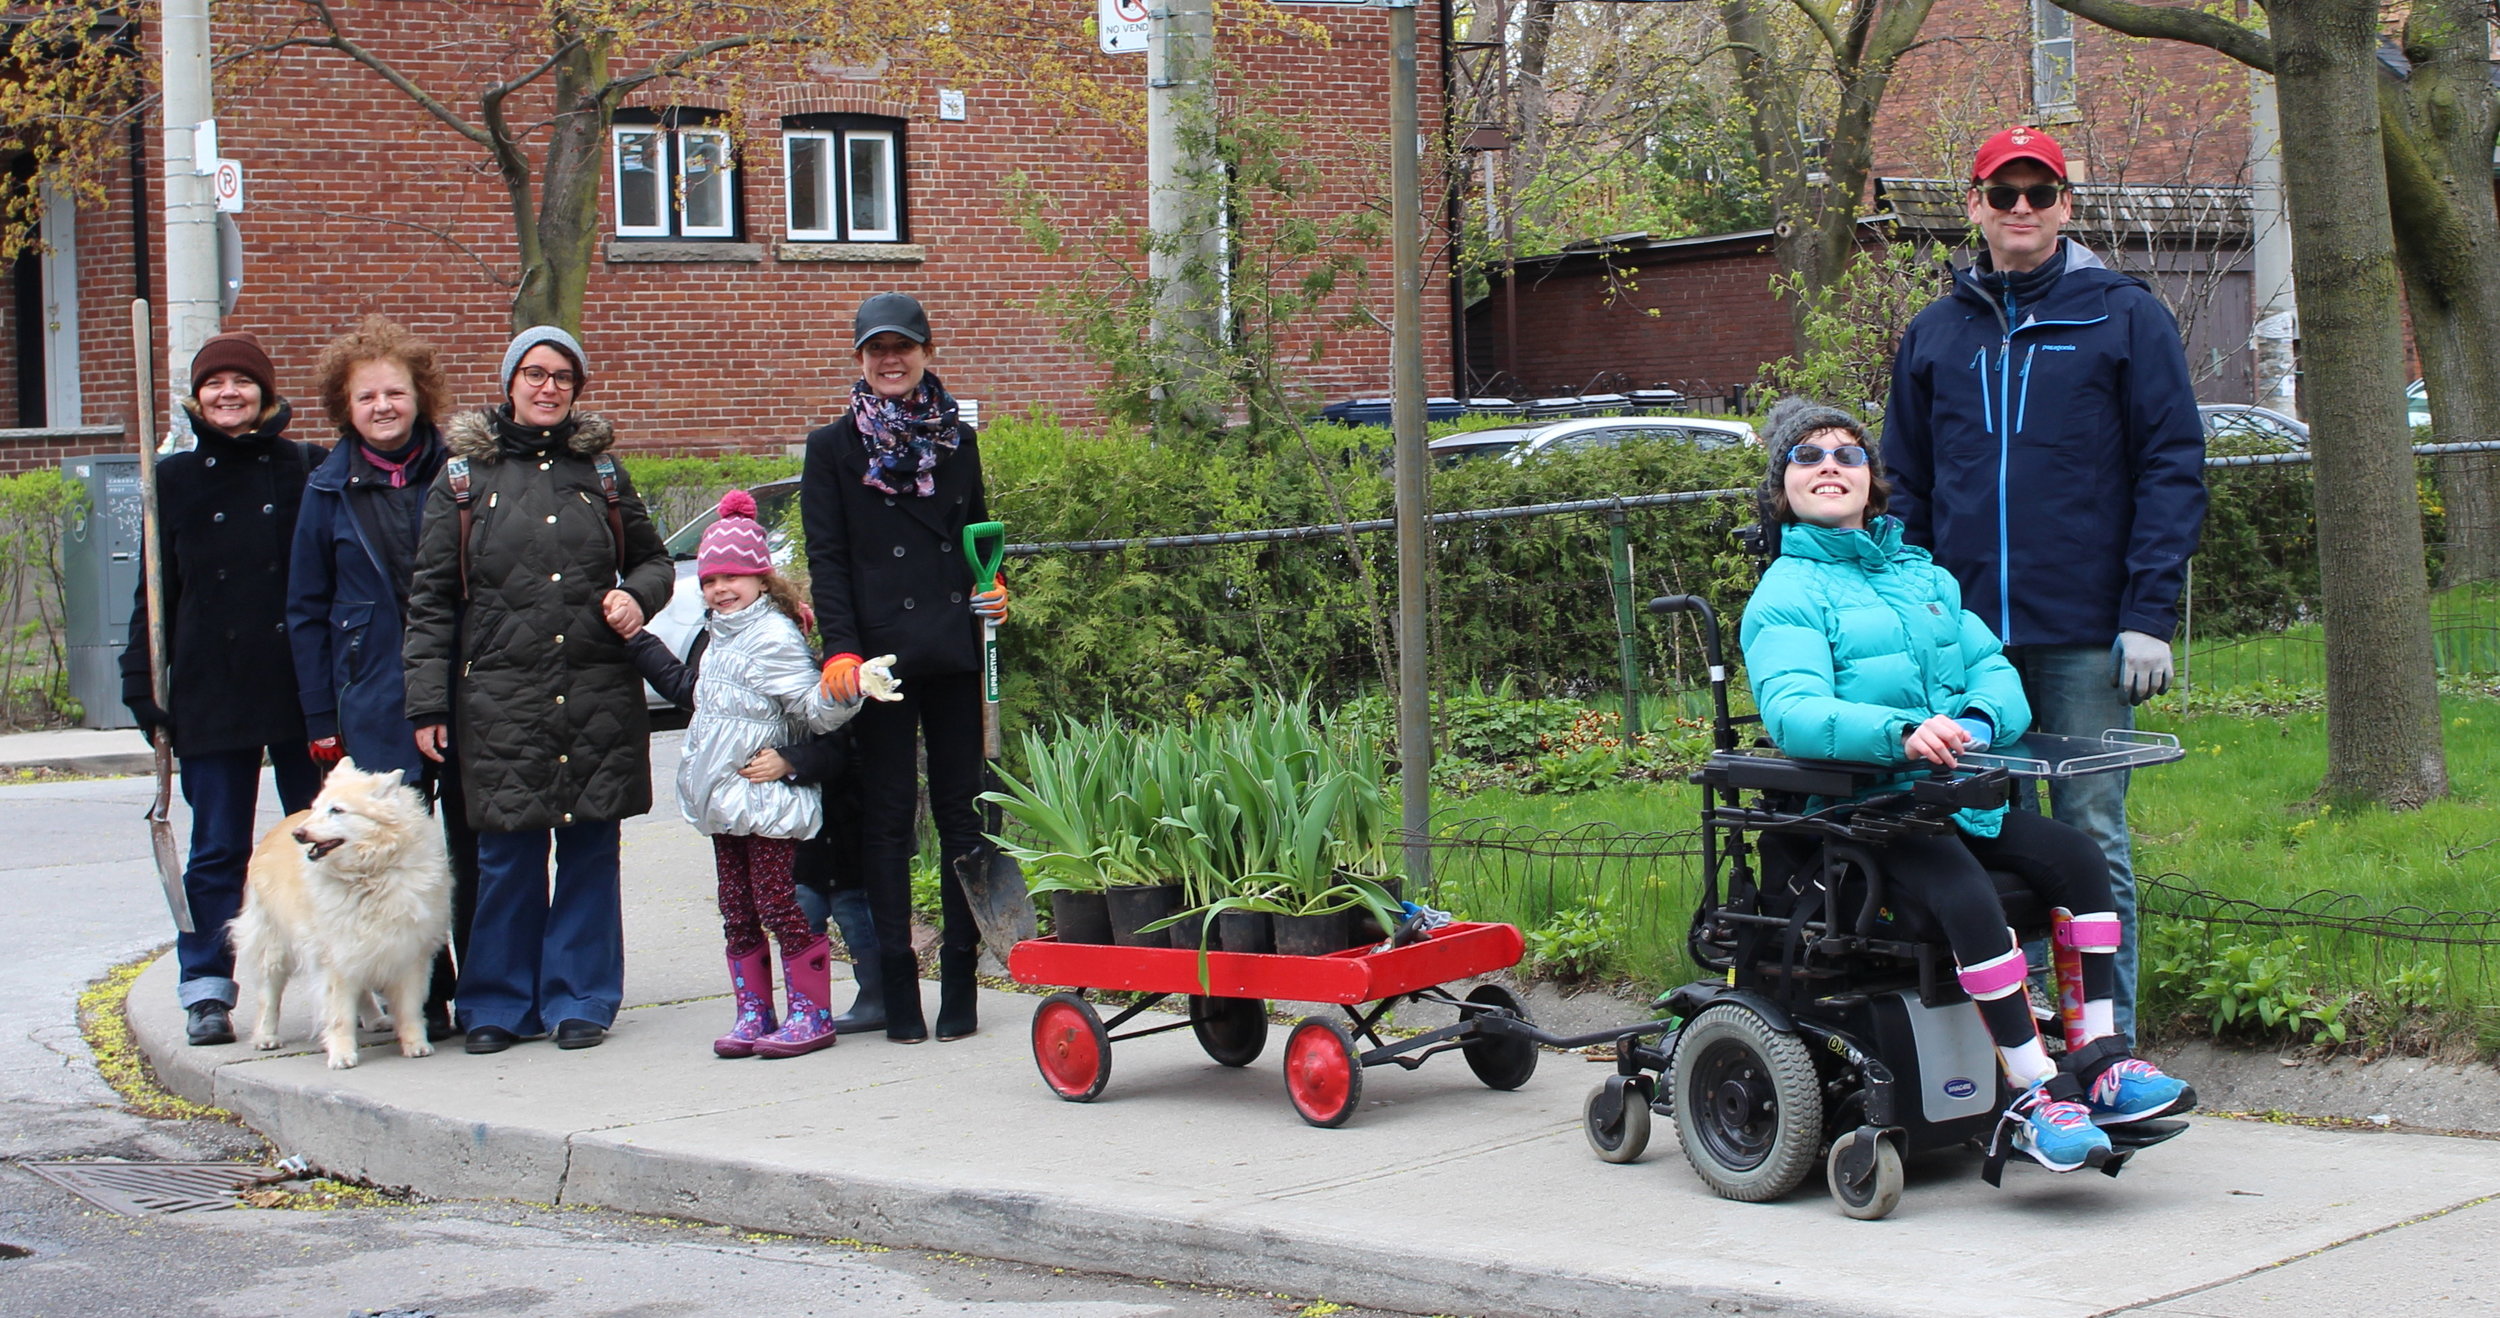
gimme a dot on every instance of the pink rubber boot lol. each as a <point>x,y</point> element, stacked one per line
<point>809,1026</point>
<point>751,982</point>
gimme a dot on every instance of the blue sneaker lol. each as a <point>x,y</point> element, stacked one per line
<point>2057,1133</point>
<point>2134,1090</point>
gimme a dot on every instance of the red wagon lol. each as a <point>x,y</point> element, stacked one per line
<point>1228,1011</point>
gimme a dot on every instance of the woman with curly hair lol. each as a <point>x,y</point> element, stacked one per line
<point>347,602</point>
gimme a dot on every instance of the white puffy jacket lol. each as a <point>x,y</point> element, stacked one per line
<point>757,689</point>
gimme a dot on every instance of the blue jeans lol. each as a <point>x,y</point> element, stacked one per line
<point>2071,694</point>
<point>223,790</point>
<point>536,960</point>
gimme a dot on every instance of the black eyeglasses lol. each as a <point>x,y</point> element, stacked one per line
<point>2000,196</point>
<point>539,376</point>
<point>1847,455</point>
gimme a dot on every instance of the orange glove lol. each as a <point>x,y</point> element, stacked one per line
<point>327,752</point>
<point>841,680</point>
<point>991,604</point>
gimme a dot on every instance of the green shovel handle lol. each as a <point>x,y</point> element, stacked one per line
<point>985,565</point>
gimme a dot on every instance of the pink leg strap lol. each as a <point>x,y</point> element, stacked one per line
<point>2091,933</point>
<point>1995,977</point>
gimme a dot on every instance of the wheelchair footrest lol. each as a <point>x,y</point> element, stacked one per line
<point>2144,1134</point>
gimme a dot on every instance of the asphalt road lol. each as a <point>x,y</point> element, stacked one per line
<point>82,897</point>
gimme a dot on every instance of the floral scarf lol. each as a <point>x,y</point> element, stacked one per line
<point>906,438</point>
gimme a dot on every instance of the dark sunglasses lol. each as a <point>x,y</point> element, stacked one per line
<point>1847,455</point>
<point>2000,196</point>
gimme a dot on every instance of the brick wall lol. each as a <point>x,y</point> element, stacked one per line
<point>2147,111</point>
<point>359,202</point>
<point>1692,314</point>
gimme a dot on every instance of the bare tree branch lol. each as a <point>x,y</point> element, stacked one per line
<point>2194,26</point>
<point>339,41</point>
<point>505,278</point>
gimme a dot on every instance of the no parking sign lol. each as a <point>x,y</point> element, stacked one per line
<point>226,180</point>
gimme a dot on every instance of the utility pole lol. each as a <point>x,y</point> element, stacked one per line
<point>1406,413</point>
<point>191,303</point>
<point>1183,203</point>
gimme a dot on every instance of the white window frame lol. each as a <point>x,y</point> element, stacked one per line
<point>616,170</point>
<point>889,180</point>
<point>829,178</point>
<point>673,222</point>
<point>836,179</point>
<point>2052,59</point>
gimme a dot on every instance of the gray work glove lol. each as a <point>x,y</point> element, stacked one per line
<point>2141,664</point>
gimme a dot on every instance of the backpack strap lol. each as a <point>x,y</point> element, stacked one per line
<point>606,465</point>
<point>456,473</point>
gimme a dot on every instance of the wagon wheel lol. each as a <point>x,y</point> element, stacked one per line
<point>1071,1047</point>
<point>1616,1118</point>
<point>1500,1061</point>
<point>1232,1030</point>
<point>1747,1105</point>
<point>1322,1076</point>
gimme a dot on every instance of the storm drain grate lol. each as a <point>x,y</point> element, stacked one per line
<point>140,1189</point>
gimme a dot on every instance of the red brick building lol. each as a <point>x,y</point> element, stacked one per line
<point>719,303</point>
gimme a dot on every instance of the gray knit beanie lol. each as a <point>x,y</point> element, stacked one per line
<point>1794,418</point>
<point>554,337</point>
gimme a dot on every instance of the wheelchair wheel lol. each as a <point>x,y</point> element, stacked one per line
<point>1747,1106</point>
<point>1880,1190</point>
<point>1616,1118</point>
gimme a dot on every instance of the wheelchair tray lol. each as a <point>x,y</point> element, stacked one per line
<point>2049,755</point>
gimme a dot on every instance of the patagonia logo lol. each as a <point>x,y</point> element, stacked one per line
<point>1960,1086</point>
<point>2057,347</point>
<point>1935,608</point>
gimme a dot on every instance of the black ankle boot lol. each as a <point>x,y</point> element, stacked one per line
<point>901,982</point>
<point>959,994</point>
<point>848,909</point>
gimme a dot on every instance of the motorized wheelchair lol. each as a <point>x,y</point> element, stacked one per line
<point>1833,1027</point>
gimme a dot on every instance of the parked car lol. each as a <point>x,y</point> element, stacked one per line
<point>2246,421</point>
<point>2417,404</point>
<point>776,508</point>
<point>1522,443</point>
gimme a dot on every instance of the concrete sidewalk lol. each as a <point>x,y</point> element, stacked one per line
<point>77,750</point>
<point>1439,1197</point>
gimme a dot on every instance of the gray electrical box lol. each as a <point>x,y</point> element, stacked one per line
<point>100,553</point>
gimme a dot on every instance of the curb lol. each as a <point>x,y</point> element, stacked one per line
<point>109,764</point>
<point>1177,1239</point>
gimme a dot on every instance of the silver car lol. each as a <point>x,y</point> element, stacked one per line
<point>1522,443</point>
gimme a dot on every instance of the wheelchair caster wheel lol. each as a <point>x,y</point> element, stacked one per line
<point>1616,1118</point>
<point>1866,1188</point>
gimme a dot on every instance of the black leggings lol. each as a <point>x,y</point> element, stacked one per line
<point>1949,874</point>
<point>941,712</point>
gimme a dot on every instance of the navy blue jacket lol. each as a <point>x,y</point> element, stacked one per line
<point>2052,460</point>
<point>346,614</point>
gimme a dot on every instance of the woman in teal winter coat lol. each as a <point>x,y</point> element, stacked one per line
<point>1859,649</point>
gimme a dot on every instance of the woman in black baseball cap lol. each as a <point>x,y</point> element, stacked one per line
<point>888,490</point>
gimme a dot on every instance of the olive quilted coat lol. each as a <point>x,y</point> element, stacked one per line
<point>549,721</point>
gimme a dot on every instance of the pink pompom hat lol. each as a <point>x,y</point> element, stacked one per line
<point>735,544</point>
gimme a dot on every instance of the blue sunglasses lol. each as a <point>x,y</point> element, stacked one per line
<point>1847,455</point>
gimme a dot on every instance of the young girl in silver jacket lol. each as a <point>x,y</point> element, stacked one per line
<point>753,688</point>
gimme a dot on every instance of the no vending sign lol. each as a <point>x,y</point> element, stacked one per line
<point>1123,24</point>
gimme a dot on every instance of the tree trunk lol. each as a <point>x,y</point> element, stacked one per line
<point>2383,728</point>
<point>1536,37</point>
<point>552,287</point>
<point>2440,122</point>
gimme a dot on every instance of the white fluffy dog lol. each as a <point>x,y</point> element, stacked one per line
<point>358,889</point>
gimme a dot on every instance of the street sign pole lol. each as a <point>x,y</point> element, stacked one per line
<point>1406,348</point>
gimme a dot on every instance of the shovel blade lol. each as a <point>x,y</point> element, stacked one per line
<point>994,887</point>
<point>169,873</point>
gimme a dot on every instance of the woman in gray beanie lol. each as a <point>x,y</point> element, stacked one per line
<point>533,538</point>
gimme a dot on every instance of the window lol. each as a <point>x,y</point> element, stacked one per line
<point>676,177</point>
<point>2052,59</point>
<point>844,178</point>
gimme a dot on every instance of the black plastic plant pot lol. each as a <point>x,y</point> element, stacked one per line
<point>1246,931</point>
<point>1314,935</point>
<point>1080,917</point>
<point>1367,926</point>
<point>1189,931</point>
<point>1131,907</point>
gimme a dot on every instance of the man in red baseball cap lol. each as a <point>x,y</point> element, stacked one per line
<point>2043,442</point>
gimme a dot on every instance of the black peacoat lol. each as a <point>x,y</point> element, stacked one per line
<point>887,570</point>
<point>226,524</point>
<point>550,725</point>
